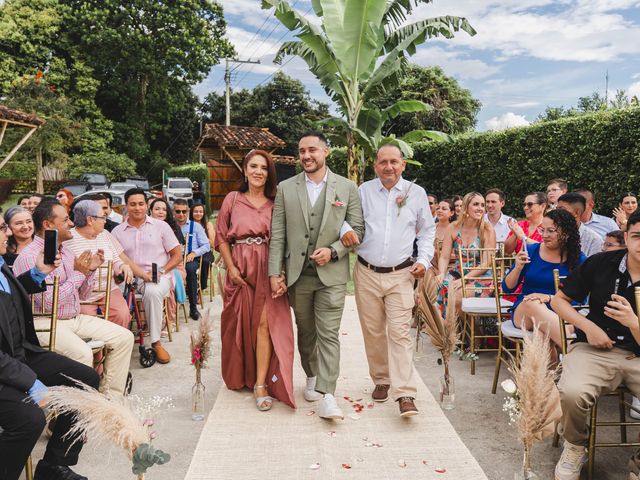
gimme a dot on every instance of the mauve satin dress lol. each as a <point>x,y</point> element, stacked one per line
<point>243,306</point>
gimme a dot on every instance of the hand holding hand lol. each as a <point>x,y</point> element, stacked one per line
<point>350,239</point>
<point>619,309</point>
<point>321,256</point>
<point>236,277</point>
<point>417,270</point>
<point>598,338</point>
<point>45,268</point>
<point>278,286</point>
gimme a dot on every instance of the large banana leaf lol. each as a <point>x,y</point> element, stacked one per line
<point>398,11</point>
<point>404,106</point>
<point>429,28</point>
<point>418,135</point>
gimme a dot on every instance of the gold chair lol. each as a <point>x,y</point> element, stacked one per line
<point>620,393</point>
<point>475,304</point>
<point>39,314</point>
<point>506,329</point>
<point>103,285</point>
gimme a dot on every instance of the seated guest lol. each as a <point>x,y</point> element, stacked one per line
<point>606,352</point>
<point>197,244</point>
<point>433,203</point>
<point>526,231</point>
<point>147,241</point>
<point>457,202</point>
<point>76,277</point>
<point>89,235</point>
<point>26,371</point>
<point>160,210</point>
<point>556,188</point>
<point>628,204</point>
<point>469,231</point>
<point>104,199</point>
<point>23,201</point>
<point>21,226</point>
<point>574,203</point>
<point>198,216</point>
<point>34,201</point>
<point>495,199</point>
<point>533,271</point>
<point>445,214</point>
<point>614,240</point>
<point>65,198</point>
<point>598,223</point>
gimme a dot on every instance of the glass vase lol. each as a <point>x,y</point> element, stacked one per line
<point>419,345</point>
<point>447,392</point>
<point>197,402</point>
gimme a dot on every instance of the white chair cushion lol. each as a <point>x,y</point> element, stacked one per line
<point>510,330</point>
<point>95,344</point>
<point>486,305</point>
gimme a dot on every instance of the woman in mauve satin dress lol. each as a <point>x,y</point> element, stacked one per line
<point>256,329</point>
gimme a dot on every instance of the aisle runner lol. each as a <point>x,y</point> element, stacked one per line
<point>240,442</point>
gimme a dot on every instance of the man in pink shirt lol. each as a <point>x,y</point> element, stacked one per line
<point>77,277</point>
<point>146,241</point>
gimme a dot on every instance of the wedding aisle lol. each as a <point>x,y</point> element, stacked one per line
<point>240,442</point>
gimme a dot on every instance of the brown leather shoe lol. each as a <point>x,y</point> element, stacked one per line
<point>407,407</point>
<point>162,356</point>
<point>380,393</point>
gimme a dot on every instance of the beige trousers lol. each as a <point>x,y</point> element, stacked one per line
<point>385,301</point>
<point>152,298</point>
<point>587,373</point>
<point>70,342</point>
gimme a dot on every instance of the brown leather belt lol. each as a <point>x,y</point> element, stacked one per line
<point>407,263</point>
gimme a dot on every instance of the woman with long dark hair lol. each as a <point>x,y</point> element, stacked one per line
<point>627,204</point>
<point>256,329</point>
<point>198,215</point>
<point>161,210</point>
<point>533,271</point>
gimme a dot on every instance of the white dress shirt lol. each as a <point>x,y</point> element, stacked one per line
<point>390,230</point>
<point>315,189</point>
<point>501,227</point>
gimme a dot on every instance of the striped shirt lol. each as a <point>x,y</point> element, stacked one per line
<point>73,284</point>
<point>112,251</point>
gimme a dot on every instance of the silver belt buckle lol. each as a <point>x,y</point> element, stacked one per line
<point>258,240</point>
<point>249,241</point>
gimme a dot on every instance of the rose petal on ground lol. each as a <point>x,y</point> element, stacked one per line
<point>310,412</point>
<point>402,463</point>
<point>424,462</point>
<point>440,470</point>
<point>332,434</point>
<point>368,444</point>
<point>377,445</point>
<point>370,405</point>
<point>346,466</point>
<point>344,333</point>
<point>314,466</point>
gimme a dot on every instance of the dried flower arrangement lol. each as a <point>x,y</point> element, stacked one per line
<point>201,344</point>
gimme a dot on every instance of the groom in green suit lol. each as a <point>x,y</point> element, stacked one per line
<point>313,211</point>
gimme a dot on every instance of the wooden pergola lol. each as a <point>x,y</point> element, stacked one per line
<point>10,118</point>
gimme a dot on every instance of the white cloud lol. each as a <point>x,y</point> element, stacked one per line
<point>634,90</point>
<point>506,120</point>
<point>522,105</point>
<point>454,63</point>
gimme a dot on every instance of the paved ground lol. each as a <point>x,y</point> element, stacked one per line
<point>477,418</point>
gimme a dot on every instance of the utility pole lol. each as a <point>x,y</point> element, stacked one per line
<point>227,81</point>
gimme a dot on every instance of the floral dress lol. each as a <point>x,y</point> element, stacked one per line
<point>472,259</point>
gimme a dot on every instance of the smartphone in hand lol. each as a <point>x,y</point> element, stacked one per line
<point>154,272</point>
<point>50,246</point>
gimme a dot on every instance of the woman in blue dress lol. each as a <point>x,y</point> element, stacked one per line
<point>559,249</point>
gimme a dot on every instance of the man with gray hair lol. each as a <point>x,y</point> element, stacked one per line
<point>89,234</point>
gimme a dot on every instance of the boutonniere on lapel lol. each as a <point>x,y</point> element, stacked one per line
<point>401,200</point>
<point>337,203</point>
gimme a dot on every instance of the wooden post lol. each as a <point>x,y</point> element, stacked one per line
<point>39,179</point>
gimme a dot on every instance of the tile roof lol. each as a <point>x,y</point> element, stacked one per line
<point>10,114</point>
<point>240,137</point>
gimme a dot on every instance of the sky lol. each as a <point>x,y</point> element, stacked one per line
<point>527,55</point>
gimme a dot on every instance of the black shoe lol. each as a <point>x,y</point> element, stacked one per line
<point>195,315</point>
<point>46,471</point>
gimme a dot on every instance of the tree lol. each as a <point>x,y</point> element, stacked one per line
<point>115,166</point>
<point>589,104</point>
<point>359,51</point>
<point>283,106</point>
<point>453,108</point>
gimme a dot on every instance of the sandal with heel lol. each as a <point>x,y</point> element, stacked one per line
<point>263,403</point>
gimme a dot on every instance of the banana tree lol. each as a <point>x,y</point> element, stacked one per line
<point>359,49</point>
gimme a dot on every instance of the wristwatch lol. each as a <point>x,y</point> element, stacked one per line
<point>334,254</point>
<point>161,270</point>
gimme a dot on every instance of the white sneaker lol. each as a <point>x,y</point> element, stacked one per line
<point>571,461</point>
<point>310,394</point>
<point>632,412</point>
<point>329,408</point>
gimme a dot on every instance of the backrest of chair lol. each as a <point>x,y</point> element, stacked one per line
<point>185,249</point>
<point>557,278</point>
<point>43,313</point>
<point>500,249</point>
<point>499,267</point>
<point>475,260</point>
<point>104,276</point>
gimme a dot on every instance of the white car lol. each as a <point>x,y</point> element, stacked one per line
<point>177,187</point>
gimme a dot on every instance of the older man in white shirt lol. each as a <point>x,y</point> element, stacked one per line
<point>395,215</point>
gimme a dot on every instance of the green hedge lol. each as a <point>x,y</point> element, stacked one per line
<point>600,151</point>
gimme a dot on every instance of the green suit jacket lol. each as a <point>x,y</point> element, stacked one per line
<point>290,228</point>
